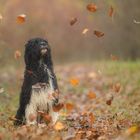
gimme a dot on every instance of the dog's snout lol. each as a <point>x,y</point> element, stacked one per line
<point>43,51</point>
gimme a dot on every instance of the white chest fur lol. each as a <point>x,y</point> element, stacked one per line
<point>41,100</point>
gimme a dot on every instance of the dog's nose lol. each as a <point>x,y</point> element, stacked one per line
<point>43,51</point>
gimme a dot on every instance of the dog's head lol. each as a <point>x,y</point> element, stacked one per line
<point>36,49</point>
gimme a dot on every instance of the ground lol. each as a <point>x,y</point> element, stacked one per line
<point>101,102</point>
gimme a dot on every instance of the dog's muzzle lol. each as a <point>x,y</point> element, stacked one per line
<point>43,51</point>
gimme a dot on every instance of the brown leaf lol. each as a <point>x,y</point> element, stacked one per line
<point>58,107</point>
<point>91,95</point>
<point>92,7</point>
<point>73,21</point>
<point>98,33</point>
<point>91,118</point>
<point>17,54</point>
<point>47,118</point>
<point>21,18</point>
<point>59,126</point>
<point>69,106</point>
<point>111,11</point>
<point>117,87</point>
<point>109,99</point>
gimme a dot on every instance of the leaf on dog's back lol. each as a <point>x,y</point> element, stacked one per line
<point>21,18</point>
<point>69,106</point>
<point>58,107</point>
<point>59,126</point>
<point>17,54</point>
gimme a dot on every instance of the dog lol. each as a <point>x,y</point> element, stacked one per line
<point>38,71</point>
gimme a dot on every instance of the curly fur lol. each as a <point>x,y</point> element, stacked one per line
<point>38,69</point>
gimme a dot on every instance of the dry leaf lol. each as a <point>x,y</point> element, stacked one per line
<point>58,107</point>
<point>92,7</point>
<point>73,21</point>
<point>109,99</point>
<point>74,81</point>
<point>85,31</point>
<point>47,118</point>
<point>69,106</point>
<point>21,18</point>
<point>1,17</point>
<point>91,95</point>
<point>59,126</point>
<point>98,33</point>
<point>111,11</point>
<point>91,118</point>
<point>117,87</point>
<point>132,130</point>
<point>17,54</point>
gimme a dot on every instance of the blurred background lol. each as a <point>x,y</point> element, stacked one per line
<point>51,20</point>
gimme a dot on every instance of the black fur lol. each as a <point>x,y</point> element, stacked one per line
<point>35,72</point>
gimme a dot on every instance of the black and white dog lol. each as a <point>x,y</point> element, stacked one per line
<point>39,83</point>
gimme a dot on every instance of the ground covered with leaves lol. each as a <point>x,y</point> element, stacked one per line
<point>101,102</point>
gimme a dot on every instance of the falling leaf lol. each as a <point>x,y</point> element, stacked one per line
<point>1,90</point>
<point>74,81</point>
<point>91,118</point>
<point>136,22</point>
<point>117,87</point>
<point>1,17</point>
<point>92,7</point>
<point>17,54</point>
<point>113,57</point>
<point>58,107</point>
<point>69,106</point>
<point>21,18</point>
<point>91,95</point>
<point>32,117</point>
<point>111,11</point>
<point>59,126</point>
<point>73,21</point>
<point>132,130</point>
<point>98,33</point>
<point>85,31</point>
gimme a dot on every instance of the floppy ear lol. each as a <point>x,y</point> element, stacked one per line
<point>48,59</point>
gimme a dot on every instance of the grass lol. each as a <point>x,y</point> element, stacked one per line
<point>126,104</point>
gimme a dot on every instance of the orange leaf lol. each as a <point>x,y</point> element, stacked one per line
<point>91,95</point>
<point>131,130</point>
<point>21,18</point>
<point>74,81</point>
<point>98,33</point>
<point>17,54</point>
<point>73,21</point>
<point>92,7</point>
<point>69,106</point>
<point>58,107</point>
<point>59,126</point>
<point>111,11</point>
